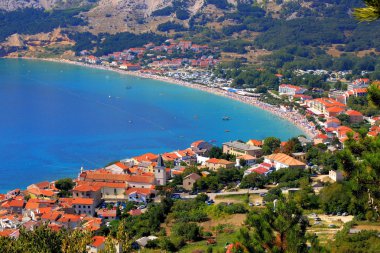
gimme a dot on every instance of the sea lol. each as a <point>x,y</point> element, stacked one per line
<point>56,118</point>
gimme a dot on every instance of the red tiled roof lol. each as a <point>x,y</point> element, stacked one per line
<point>83,201</point>
<point>321,136</point>
<point>335,109</point>
<point>69,218</point>
<point>107,213</point>
<point>260,170</point>
<point>196,143</point>
<point>140,179</point>
<point>255,142</point>
<point>146,157</point>
<point>98,241</point>
<point>353,113</point>
<point>143,191</point>
<point>218,161</point>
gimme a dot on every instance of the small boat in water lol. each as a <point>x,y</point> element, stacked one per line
<point>128,87</point>
<point>227,131</point>
<point>226,118</point>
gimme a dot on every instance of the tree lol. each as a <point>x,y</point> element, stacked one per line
<point>64,185</point>
<point>374,95</point>
<point>253,180</point>
<point>369,13</point>
<point>335,198</point>
<point>279,228</point>
<point>270,145</point>
<point>189,231</point>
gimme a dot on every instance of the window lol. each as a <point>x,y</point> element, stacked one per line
<point>114,191</point>
<point>77,194</point>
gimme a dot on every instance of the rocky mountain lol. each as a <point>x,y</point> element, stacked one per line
<point>237,26</point>
<point>12,5</point>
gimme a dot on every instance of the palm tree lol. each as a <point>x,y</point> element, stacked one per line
<point>369,13</point>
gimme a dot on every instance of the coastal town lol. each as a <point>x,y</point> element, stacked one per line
<point>99,198</point>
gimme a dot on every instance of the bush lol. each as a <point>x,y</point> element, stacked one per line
<point>189,231</point>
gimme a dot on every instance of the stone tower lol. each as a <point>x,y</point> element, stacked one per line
<point>160,171</point>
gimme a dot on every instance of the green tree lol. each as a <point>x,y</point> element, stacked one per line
<point>374,95</point>
<point>270,145</point>
<point>335,198</point>
<point>279,228</point>
<point>369,13</point>
<point>64,186</point>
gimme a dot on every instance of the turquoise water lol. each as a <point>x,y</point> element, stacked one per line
<point>57,117</point>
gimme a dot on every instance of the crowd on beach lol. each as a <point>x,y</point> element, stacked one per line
<point>293,117</point>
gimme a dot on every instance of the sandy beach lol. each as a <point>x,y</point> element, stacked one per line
<point>293,117</point>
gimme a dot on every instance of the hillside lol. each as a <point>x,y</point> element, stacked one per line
<point>238,27</point>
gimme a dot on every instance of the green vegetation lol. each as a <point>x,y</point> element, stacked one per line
<point>42,239</point>
<point>64,186</point>
<point>369,13</point>
<point>32,21</point>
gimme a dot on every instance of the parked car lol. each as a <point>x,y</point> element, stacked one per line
<point>345,214</point>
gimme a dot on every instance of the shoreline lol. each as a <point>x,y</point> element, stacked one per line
<point>294,118</point>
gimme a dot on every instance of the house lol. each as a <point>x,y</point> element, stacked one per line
<point>238,149</point>
<point>248,160</point>
<point>145,157</point>
<point>262,169</point>
<point>300,156</point>
<point>256,143</point>
<point>201,147</point>
<point>130,66</point>
<point>97,244</point>
<point>84,206</point>
<point>102,176</point>
<point>117,168</point>
<point>69,221</point>
<point>291,90</point>
<point>88,190</point>
<point>215,164</point>
<point>334,111</point>
<point>281,160</point>
<point>113,192</point>
<point>332,122</point>
<point>141,181</point>
<point>336,175</point>
<point>359,83</point>
<point>342,131</point>
<point>355,116</point>
<point>15,205</point>
<point>41,185</point>
<point>188,155</point>
<point>40,193</point>
<point>325,107</point>
<point>51,216</point>
<point>143,241</point>
<point>107,214</point>
<point>190,180</point>
<point>141,195</point>
<point>374,131</point>
<point>321,138</point>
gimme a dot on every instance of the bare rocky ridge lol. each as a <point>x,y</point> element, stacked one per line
<point>11,5</point>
